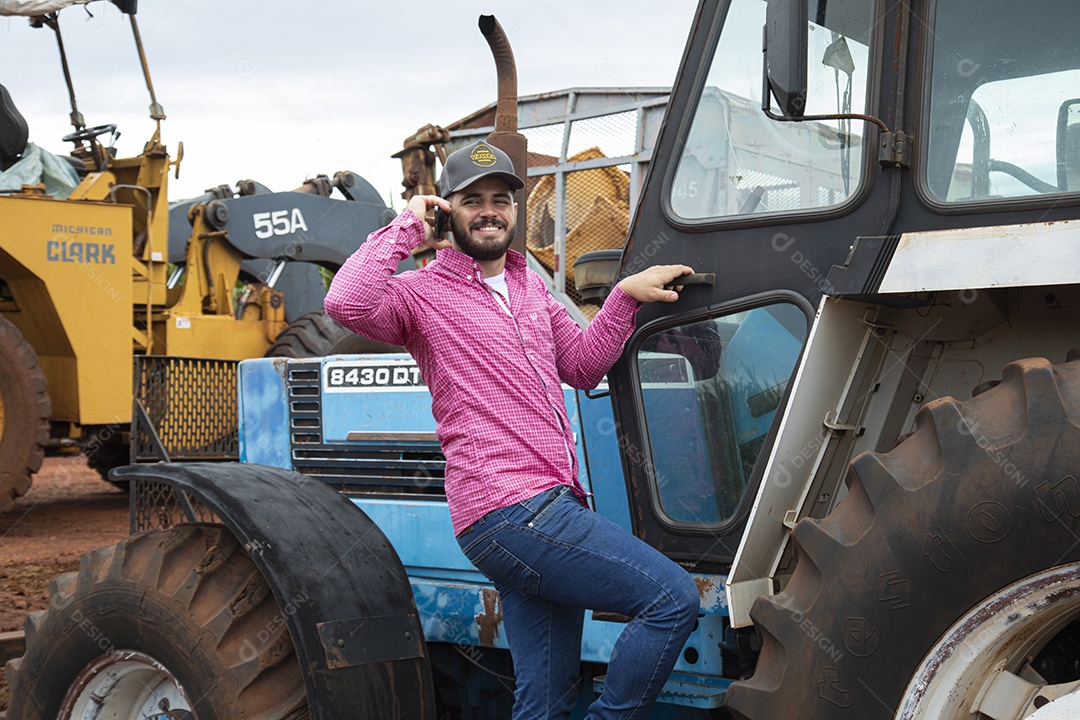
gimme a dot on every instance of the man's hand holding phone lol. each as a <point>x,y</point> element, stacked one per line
<point>427,208</point>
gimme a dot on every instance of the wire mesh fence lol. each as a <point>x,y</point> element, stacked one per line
<point>588,150</point>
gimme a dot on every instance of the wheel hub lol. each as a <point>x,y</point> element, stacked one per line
<point>125,685</point>
<point>982,666</point>
<point>1065,708</point>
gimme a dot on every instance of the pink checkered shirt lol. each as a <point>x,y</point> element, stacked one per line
<point>494,379</point>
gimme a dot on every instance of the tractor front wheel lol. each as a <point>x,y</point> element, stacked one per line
<point>167,623</point>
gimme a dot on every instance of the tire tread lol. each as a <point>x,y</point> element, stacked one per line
<point>923,485</point>
<point>19,463</point>
<point>173,569</point>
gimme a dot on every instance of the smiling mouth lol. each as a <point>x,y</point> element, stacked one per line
<point>488,227</point>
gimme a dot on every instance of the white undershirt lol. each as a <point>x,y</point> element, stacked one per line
<point>502,293</point>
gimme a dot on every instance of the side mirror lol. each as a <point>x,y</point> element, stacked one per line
<point>595,273</point>
<point>1068,146</point>
<point>785,48</point>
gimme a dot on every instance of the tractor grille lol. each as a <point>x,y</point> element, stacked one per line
<point>397,463</point>
<point>158,506</point>
<point>187,408</point>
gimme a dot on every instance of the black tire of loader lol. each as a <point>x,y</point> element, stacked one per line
<point>310,335</point>
<point>27,408</point>
<point>353,344</point>
<point>983,493</point>
<point>188,597</point>
<point>106,455</point>
<point>314,334</point>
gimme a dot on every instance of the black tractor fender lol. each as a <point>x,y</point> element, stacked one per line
<point>339,583</point>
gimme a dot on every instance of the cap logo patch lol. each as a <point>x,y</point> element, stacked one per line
<point>482,156</point>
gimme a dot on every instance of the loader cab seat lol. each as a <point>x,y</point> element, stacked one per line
<point>78,165</point>
<point>13,131</point>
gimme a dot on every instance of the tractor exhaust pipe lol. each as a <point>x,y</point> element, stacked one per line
<point>506,137</point>
<point>506,119</point>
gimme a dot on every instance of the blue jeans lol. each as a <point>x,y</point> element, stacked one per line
<point>551,557</point>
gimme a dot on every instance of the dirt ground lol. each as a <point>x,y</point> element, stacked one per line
<point>68,511</point>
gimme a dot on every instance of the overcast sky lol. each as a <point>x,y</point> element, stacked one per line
<point>279,92</point>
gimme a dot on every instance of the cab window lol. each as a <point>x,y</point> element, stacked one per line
<point>710,391</point>
<point>736,161</point>
<point>1003,119</point>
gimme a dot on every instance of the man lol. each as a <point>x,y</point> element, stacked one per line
<point>493,347</point>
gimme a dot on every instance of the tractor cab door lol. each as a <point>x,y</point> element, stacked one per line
<point>769,207</point>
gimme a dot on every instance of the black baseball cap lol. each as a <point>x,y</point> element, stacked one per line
<point>472,162</point>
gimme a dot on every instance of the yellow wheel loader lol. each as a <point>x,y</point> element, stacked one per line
<point>95,275</point>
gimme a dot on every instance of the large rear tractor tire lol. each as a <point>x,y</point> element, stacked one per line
<point>165,621</point>
<point>24,415</point>
<point>969,533</point>
<point>316,335</point>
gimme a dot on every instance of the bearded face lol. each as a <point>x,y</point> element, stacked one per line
<point>483,219</point>
<point>483,239</point>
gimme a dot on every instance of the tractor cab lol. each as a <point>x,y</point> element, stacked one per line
<point>887,195</point>
<point>790,174</point>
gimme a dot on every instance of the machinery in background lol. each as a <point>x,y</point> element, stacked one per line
<point>103,272</point>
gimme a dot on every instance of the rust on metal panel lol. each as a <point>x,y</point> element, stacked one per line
<point>975,622</point>
<point>417,157</point>
<point>488,621</point>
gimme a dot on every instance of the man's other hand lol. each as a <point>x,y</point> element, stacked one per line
<point>648,285</point>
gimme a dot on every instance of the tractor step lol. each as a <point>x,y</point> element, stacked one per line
<point>12,645</point>
<point>687,689</point>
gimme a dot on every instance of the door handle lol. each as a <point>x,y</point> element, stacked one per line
<point>693,279</point>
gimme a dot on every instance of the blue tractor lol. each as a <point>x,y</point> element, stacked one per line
<point>881,524</point>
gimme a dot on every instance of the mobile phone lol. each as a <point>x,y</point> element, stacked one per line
<point>442,222</point>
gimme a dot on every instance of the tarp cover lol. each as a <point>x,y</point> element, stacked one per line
<point>30,8</point>
<point>40,166</point>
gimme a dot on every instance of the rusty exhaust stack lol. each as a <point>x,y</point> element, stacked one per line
<point>506,137</point>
